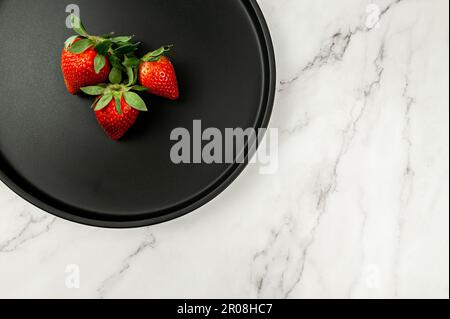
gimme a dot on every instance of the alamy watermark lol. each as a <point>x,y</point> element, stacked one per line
<point>73,276</point>
<point>72,9</point>
<point>372,275</point>
<point>228,146</point>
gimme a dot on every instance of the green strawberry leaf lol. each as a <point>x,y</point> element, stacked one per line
<point>126,48</point>
<point>81,46</point>
<point>115,61</point>
<point>139,88</point>
<point>95,102</point>
<point>115,76</point>
<point>103,47</point>
<point>77,25</point>
<point>93,90</point>
<point>131,62</point>
<point>135,101</point>
<point>99,63</point>
<point>130,73</point>
<point>156,55</point>
<point>121,39</point>
<point>103,102</point>
<point>117,98</point>
<point>108,36</point>
<point>70,41</point>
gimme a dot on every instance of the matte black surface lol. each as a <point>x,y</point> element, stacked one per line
<point>54,154</point>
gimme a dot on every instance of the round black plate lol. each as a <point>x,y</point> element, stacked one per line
<point>54,154</point>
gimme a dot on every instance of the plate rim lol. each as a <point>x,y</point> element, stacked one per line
<point>224,182</point>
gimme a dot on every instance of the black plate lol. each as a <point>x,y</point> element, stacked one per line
<point>52,151</point>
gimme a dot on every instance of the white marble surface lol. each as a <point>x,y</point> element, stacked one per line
<point>358,208</point>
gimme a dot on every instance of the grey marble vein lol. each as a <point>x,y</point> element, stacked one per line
<point>148,243</point>
<point>334,49</point>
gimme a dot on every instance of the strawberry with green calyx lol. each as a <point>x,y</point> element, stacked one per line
<point>85,59</point>
<point>82,69</point>
<point>116,107</point>
<point>157,74</point>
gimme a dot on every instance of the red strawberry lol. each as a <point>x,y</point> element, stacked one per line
<point>114,124</point>
<point>116,107</point>
<point>157,73</point>
<point>79,68</point>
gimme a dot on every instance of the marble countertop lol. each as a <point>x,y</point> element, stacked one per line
<point>358,207</point>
